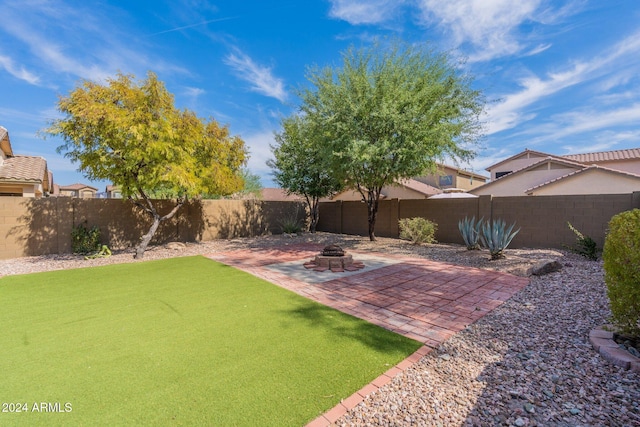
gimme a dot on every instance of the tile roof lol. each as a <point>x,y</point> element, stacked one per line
<point>462,171</point>
<point>551,158</point>
<point>24,168</point>
<point>420,187</point>
<point>76,186</point>
<point>5,143</point>
<point>520,154</point>
<point>278,194</point>
<point>604,156</point>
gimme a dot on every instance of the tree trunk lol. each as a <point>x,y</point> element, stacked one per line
<point>372,213</point>
<point>157,219</point>
<point>314,210</point>
<point>147,237</point>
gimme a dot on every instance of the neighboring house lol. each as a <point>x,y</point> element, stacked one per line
<point>279,195</point>
<point>444,178</point>
<point>82,191</point>
<point>22,176</point>
<point>405,189</point>
<point>451,177</point>
<point>113,192</point>
<point>535,173</point>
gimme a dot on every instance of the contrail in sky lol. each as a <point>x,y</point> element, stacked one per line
<point>193,25</point>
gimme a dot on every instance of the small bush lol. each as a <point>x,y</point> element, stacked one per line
<point>622,271</point>
<point>585,245</point>
<point>85,240</point>
<point>496,237</point>
<point>291,223</point>
<point>418,230</point>
<point>470,230</point>
<point>104,252</point>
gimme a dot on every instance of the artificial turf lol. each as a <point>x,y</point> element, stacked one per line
<point>184,341</point>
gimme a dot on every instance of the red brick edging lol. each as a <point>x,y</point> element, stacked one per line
<point>328,418</point>
<point>602,341</point>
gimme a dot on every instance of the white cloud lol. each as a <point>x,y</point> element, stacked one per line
<point>605,140</point>
<point>358,12</point>
<point>83,41</point>
<point>509,112</point>
<point>586,121</point>
<point>538,49</point>
<point>602,129</point>
<point>489,25</point>
<point>260,77</point>
<point>30,118</point>
<point>259,152</point>
<point>18,72</point>
<point>193,92</point>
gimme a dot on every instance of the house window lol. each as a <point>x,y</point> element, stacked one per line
<point>500,174</point>
<point>445,180</point>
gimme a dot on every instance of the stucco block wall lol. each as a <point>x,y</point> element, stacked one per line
<point>542,219</point>
<point>43,226</point>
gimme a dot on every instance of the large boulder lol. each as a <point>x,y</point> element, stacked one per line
<point>546,266</point>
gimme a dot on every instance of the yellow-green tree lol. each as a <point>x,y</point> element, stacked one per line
<point>131,134</point>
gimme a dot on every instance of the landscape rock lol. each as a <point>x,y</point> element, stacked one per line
<point>175,246</point>
<point>546,266</point>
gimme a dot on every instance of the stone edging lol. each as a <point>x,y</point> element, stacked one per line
<point>602,341</point>
<point>331,416</point>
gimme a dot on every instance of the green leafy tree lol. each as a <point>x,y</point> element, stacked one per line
<point>252,186</point>
<point>300,166</point>
<point>130,133</point>
<point>390,113</point>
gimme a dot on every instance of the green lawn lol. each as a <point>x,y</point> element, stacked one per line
<point>185,341</point>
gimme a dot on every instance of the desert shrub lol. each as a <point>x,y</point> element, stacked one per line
<point>291,224</point>
<point>585,245</point>
<point>470,230</point>
<point>622,271</point>
<point>104,252</point>
<point>496,236</point>
<point>85,240</point>
<point>418,230</point>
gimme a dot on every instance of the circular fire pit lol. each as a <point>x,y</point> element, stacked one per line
<point>334,258</point>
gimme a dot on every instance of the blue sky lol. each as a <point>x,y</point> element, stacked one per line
<point>563,76</point>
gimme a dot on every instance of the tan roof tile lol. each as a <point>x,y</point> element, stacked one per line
<point>5,144</point>
<point>24,168</point>
<point>420,187</point>
<point>76,186</point>
<point>279,194</point>
<point>604,156</point>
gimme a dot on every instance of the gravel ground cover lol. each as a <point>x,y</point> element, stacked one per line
<point>527,363</point>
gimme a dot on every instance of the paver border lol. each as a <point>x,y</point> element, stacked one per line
<point>603,342</point>
<point>332,415</point>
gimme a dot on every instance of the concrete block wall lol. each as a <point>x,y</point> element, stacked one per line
<point>43,226</point>
<point>542,219</point>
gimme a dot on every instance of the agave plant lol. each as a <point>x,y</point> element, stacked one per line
<point>470,230</point>
<point>496,237</point>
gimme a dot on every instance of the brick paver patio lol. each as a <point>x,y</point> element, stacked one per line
<point>421,299</point>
